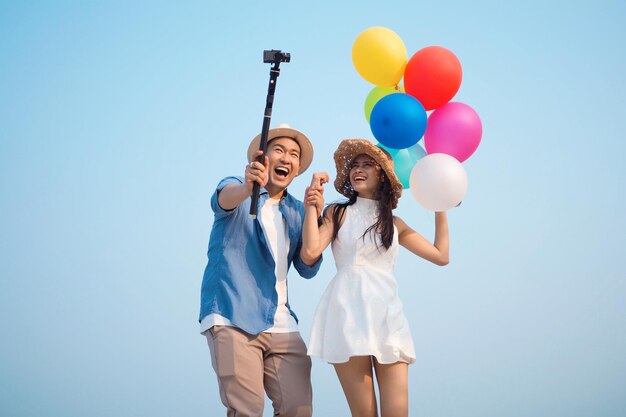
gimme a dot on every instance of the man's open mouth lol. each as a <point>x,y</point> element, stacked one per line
<point>281,172</point>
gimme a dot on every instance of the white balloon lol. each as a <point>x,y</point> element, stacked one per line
<point>438,182</point>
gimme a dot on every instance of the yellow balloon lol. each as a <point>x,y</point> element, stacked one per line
<point>379,56</point>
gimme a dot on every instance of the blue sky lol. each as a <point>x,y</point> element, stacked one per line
<point>117,120</point>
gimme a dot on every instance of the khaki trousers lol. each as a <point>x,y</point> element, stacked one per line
<point>249,365</point>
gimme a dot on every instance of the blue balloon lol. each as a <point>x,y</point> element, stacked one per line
<point>398,121</point>
<point>417,152</point>
<point>404,160</point>
<point>391,151</point>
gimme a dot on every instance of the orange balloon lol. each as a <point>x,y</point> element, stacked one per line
<point>433,76</point>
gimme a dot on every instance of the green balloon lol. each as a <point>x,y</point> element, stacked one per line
<point>376,94</point>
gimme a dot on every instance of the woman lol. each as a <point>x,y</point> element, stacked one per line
<point>359,325</point>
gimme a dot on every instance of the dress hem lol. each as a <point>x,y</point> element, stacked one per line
<point>337,360</point>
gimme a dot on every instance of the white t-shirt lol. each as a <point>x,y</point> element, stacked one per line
<point>276,234</point>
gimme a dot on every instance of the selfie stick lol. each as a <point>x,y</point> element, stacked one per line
<point>275,57</point>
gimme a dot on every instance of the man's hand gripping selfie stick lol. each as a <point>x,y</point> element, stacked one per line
<point>275,57</point>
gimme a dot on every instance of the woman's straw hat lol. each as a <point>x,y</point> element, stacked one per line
<point>351,148</point>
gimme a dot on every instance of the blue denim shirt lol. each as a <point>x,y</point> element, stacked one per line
<point>239,281</point>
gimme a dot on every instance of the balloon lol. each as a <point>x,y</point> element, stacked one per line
<point>398,121</point>
<point>417,152</point>
<point>379,56</point>
<point>404,160</point>
<point>433,76</point>
<point>454,129</point>
<point>438,182</point>
<point>376,94</point>
<point>391,151</point>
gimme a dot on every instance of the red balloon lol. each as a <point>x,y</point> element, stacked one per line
<point>433,76</point>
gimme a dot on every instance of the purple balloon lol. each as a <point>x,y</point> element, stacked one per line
<point>454,129</point>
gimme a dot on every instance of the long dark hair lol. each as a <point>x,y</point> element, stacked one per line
<point>384,222</point>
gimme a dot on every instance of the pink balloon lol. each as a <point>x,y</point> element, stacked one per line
<point>454,129</point>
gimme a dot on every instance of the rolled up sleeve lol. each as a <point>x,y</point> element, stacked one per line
<point>215,205</point>
<point>306,271</point>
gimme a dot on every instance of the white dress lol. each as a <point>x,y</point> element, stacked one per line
<point>360,313</point>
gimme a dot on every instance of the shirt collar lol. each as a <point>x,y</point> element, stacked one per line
<point>263,191</point>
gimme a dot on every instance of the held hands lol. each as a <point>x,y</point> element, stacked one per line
<point>319,179</point>
<point>314,193</point>
<point>256,172</point>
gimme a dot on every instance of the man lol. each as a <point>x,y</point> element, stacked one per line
<point>245,314</point>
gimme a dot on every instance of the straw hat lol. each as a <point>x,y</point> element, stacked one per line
<point>351,148</point>
<point>284,131</point>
